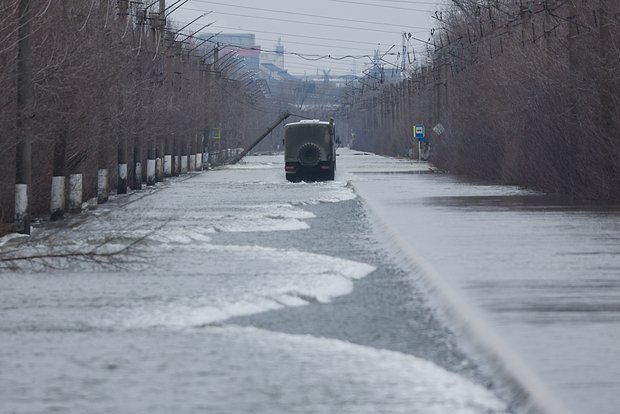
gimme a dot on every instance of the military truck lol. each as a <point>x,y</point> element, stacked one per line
<point>310,150</point>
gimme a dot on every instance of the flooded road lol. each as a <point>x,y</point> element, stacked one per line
<point>388,290</point>
<point>231,291</point>
<point>535,277</point>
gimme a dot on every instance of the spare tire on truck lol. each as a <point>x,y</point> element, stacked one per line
<point>309,154</point>
<point>310,150</point>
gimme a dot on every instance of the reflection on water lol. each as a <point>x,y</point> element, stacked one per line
<point>542,270</point>
<point>528,202</point>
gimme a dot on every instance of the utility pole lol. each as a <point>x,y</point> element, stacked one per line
<point>25,113</point>
<point>281,119</point>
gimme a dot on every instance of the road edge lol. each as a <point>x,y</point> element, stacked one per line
<point>528,394</point>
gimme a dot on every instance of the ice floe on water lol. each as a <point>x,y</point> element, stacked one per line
<point>263,279</point>
<point>260,218</point>
<point>354,378</point>
<point>228,370</point>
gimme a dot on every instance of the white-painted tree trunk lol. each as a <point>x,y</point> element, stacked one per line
<point>102,186</point>
<point>57,204</point>
<point>150,172</point>
<point>75,193</point>
<point>122,176</point>
<point>159,170</point>
<point>138,176</point>
<point>21,205</point>
<point>167,165</point>
<point>183,164</point>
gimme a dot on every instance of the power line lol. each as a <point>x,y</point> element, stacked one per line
<point>374,44</point>
<point>328,57</point>
<point>381,5</point>
<point>366,29</point>
<point>339,19</point>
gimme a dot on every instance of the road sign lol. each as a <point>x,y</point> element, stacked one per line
<point>419,132</point>
<point>214,133</point>
<point>439,129</point>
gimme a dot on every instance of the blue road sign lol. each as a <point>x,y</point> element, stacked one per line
<point>419,132</point>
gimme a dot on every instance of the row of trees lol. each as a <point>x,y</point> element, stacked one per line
<point>528,93</point>
<point>112,84</point>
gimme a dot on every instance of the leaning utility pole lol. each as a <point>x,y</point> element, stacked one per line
<point>281,119</point>
<point>25,98</point>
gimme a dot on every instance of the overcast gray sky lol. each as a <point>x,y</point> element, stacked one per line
<point>318,28</point>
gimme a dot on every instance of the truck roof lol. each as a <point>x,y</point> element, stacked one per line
<point>308,121</point>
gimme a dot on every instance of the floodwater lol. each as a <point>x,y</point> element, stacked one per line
<point>389,290</point>
<point>535,277</point>
<point>231,291</point>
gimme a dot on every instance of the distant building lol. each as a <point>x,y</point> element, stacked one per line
<point>275,56</point>
<point>243,44</point>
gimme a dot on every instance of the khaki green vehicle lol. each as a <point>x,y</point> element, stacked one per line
<point>310,150</point>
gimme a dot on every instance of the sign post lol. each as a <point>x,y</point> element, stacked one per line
<point>419,133</point>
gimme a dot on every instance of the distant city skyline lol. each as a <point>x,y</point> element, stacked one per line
<point>336,35</point>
